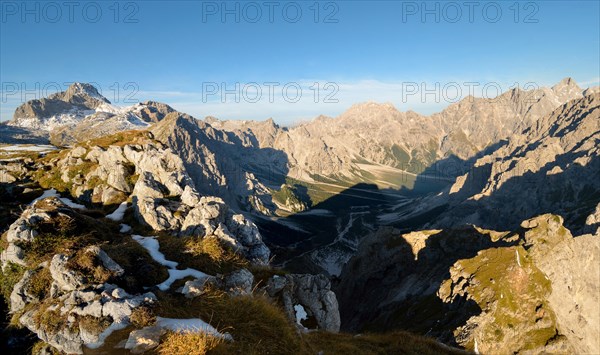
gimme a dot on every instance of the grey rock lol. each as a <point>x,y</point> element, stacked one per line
<point>66,279</point>
<point>142,340</point>
<point>12,254</point>
<point>574,297</point>
<point>195,288</point>
<point>313,292</point>
<point>238,282</point>
<point>106,260</point>
<point>19,297</point>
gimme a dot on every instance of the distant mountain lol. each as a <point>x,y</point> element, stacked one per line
<point>376,143</point>
<point>77,114</point>
<point>551,167</point>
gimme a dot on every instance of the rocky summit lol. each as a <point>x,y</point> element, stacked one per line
<point>143,229</point>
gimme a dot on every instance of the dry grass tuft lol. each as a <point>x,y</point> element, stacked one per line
<point>206,254</point>
<point>258,326</point>
<point>140,269</point>
<point>142,317</point>
<point>121,139</point>
<point>88,264</point>
<point>189,343</point>
<point>94,324</point>
<point>39,284</point>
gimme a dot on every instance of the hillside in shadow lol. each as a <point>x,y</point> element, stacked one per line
<point>388,285</point>
<point>572,191</point>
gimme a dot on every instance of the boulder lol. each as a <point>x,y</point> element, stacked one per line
<point>313,293</point>
<point>195,288</point>
<point>106,260</point>
<point>237,283</point>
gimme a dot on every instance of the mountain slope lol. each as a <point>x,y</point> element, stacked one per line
<point>552,167</point>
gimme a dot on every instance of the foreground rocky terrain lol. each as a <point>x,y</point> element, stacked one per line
<point>145,229</point>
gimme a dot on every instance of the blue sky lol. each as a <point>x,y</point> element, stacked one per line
<point>185,53</point>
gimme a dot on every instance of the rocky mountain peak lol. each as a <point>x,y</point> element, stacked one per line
<point>83,89</point>
<point>82,95</point>
<point>567,88</point>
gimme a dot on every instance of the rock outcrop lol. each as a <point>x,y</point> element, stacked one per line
<point>67,299</point>
<point>310,294</point>
<point>574,296</point>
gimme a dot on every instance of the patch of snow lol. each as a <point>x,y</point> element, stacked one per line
<point>46,194</point>
<point>125,228</point>
<point>190,325</point>
<point>175,275</point>
<point>152,246</point>
<point>108,108</point>
<point>300,314</point>
<point>72,204</point>
<point>136,121</point>
<point>476,350</point>
<point>28,148</point>
<point>106,333</point>
<point>66,201</point>
<point>517,256</point>
<point>119,213</point>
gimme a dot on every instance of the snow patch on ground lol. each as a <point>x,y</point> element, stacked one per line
<point>190,325</point>
<point>152,246</point>
<point>175,275</point>
<point>119,213</point>
<point>28,148</point>
<point>125,228</point>
<point>54,193</point>
<point>300,314</point>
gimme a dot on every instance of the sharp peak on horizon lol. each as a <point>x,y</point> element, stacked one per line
<point>83,88</point>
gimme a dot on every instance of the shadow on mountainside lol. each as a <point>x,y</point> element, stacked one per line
<point>571,191</point>
<point>348,215</point>
<point>19,135</point>
<point>442,173</point>
<point>391,285</point>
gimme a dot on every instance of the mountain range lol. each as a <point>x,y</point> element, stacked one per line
<point>470,225</point>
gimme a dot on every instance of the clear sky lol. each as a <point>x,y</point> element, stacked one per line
<point>187,53</point>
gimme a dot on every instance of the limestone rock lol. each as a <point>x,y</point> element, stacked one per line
<point>142,340</point>
<point>313,292</point>
<point>238,282</point>
<point>67,279</point>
